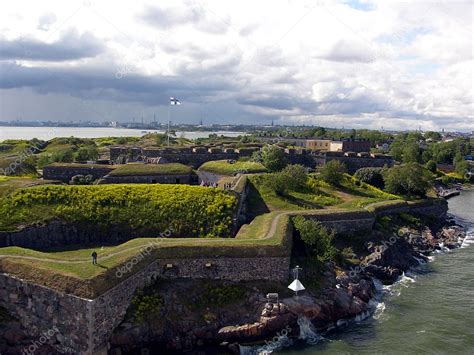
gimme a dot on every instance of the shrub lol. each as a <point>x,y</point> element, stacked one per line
<point>292,177</point>
<point>296,176</point>
<point>317,238</point>
<point>431,166</point>
<point>188,211</point>
<point>409,179</point>
<point>273,158</point>
<point>146,308</point>
<point>333,172</point>
<point>371,176</point>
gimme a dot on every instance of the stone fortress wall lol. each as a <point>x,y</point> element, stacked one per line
<point>84,326</point>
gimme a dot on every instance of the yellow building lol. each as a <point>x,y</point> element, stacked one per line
<point>318,144</point>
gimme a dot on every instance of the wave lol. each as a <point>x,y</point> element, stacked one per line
<point>469,239</point>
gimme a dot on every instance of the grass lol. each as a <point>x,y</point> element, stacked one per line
<point>263,198</point>
<point>77,275</point>
<point>144,209</point>
<point>223,167</point>
<point>152,169</point>
<point>9,185</point>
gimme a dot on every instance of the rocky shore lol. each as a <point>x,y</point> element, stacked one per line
<point>192,320</point>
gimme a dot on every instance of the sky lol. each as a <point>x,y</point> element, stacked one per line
<point>387,64</point>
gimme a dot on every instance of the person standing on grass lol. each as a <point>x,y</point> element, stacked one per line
<point>94,258</point>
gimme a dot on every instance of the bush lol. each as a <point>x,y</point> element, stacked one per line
<point>293,177</point>
<point>333,172</point>
<point>187,211</point>
<point>431,166</point>
<point>146,308</point>
<point>409,179</point>
<point>316,237</point>
<point>296,176</point>
<point>371,176</point>
<point>86,153</point>
<point>273,158</point>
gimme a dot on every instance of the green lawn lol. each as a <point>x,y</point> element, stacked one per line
<point>223,167</point>
<point>72,271</point>
<point>151,169</point>
<point>263,198</point>
<point>318,194</point>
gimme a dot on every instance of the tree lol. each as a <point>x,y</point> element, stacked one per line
<point>64,156</point>
<point>371,176</point>
<point>293,177</point>
<point>333,172</point>
<point>316,237</point>
<point>431,166</point>
<point>296,176</point>
<point>273,158</point>
<point>411,152</point>
<point>86,153</point>
<point>408,179</point>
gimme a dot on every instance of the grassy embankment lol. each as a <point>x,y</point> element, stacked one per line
<point>71,271</point>
<point>222,167</point>
<point>185,210</point>
<point>351,194</point>
<point>151,169</point>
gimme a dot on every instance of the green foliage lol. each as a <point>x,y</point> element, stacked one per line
<point>291,178</point>
<point>146,308</point>
<point>431,166</point>
<point>273,158</point>
<point>408,179</point>
<point>371,176</point>
<point>223,167</point>
<point>152,169</point>
<point>409,219</point>
<point>189,211</point>
<point>317,238</point>
<point>86,153</point>
<point>63,156</point>
<point>333,172</point>
<point>82,180</point>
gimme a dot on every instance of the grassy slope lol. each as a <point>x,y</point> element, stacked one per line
<point>186,210</point>
<point>72,271</point>
<point>317,195</point>
<point>151,169</point>
<point>222,167</point>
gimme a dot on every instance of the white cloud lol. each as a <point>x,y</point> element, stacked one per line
<point>364,63</point>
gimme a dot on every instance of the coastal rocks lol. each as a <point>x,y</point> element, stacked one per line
<point>451,236</point>
<point>274,317</point>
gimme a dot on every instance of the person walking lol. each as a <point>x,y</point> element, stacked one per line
<point>94,258</point>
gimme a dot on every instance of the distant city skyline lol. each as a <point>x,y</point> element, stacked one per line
<point>359,64</point>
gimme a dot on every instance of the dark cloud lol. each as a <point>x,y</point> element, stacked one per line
<point>70,47</point>
<point>103,83</point>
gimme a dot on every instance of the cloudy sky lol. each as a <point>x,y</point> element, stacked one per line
<point>366,63</point>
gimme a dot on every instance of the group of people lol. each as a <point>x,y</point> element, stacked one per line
<point>208,183</point>
<point>227,185</point>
